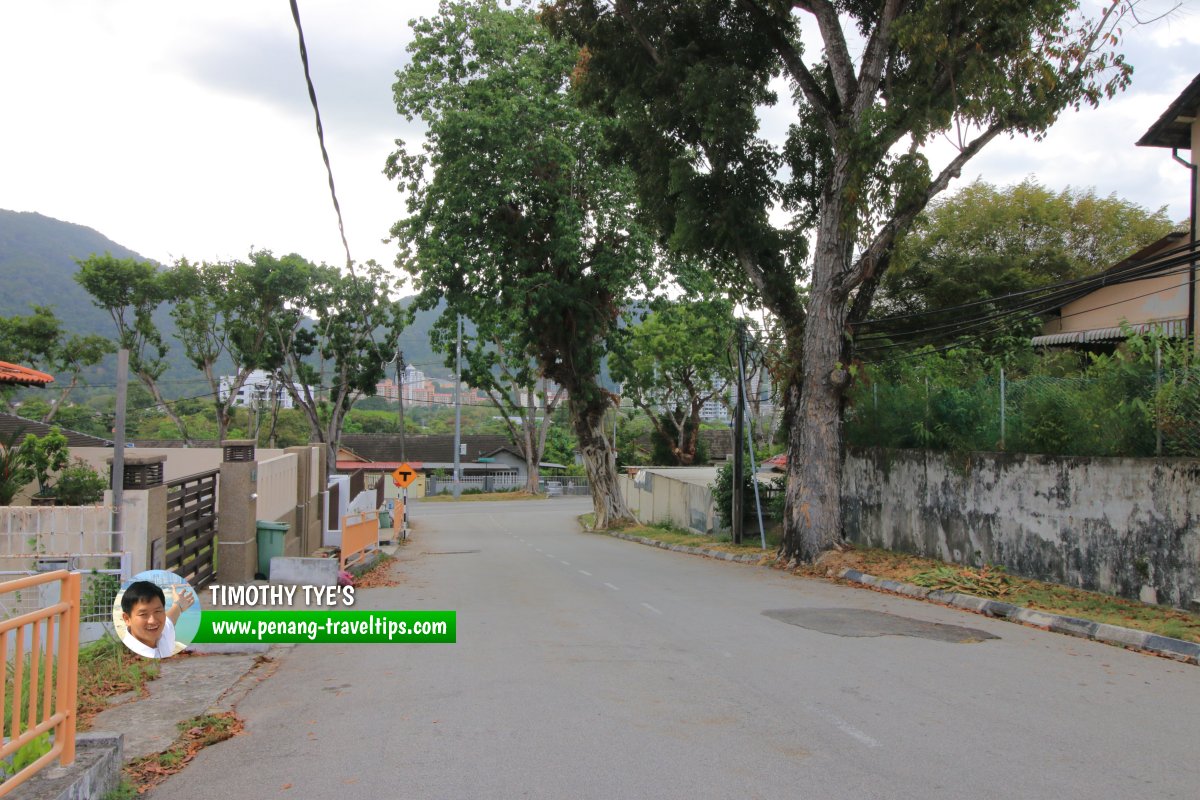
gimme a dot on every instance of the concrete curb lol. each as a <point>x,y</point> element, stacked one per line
<point>1177,649</point>
<point>696,551</point>
<point>96,771</point>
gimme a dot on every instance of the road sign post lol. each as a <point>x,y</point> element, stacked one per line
<point>403,476</point>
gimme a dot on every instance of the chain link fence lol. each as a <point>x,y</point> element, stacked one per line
<point>1132,411</point>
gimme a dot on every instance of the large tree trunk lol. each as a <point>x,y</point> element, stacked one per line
<point>532,453</point>
<point>813,508</point>
<point>600,462</point>
<point>813,502</point>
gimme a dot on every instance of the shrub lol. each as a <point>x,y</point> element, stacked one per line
<point>80,485</point>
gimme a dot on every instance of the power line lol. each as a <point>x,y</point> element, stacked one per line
<point>312,97</point>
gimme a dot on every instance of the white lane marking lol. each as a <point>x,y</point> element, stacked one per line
<point>727,654</point>
<point>540,550</point>
<point>609,585</point>
<point>564,563</point>
<point>549,555</point>
<point>845,727</point>
<point>585,572</point>
<point>652,608</point>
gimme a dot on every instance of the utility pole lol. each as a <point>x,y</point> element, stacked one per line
<point>458,412</point>
<point>118,465</point>
<point>400,395</point>
<point>738,468</point>
<point>762,531</point>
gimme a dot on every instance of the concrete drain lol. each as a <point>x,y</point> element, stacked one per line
<point>859,622</point>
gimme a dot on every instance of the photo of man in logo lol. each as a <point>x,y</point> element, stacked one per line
<point>150,625</point>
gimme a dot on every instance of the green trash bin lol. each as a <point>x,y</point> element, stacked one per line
<point>270,544</point>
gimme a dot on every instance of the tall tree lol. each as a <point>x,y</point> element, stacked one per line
<point>334,339</point>
<point>672,363</point>
<point>984,241</point>
<point>510,208</point>
<point>497,364</point>
<point>39,340</point>
<point>687,81</point>
<point>228,311</point>
<point>130,291</point>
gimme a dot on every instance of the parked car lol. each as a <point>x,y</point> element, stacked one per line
<point>554,488</point>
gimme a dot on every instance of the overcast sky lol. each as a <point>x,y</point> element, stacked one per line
<point>185,129</point>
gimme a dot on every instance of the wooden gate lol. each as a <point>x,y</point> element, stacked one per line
<point>191,543</point>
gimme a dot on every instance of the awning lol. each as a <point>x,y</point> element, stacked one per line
<point>1173,328</point>
<point>14,374</point>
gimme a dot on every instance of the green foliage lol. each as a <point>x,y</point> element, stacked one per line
<point>39,340</point>
<point>512,218</point>
<point>722,490</point>
<point>1107,405</point>
<point>561,446</point>
<point>672,363</point>
<point>130,291</point>
<point>124,791</point>
<point>43,455</point>
<point>28,753</point>
<point>14,473</point>
<point>985,241</point>
<point>689,82</point>
<point>665,449</point>
<point>99,593</point>
<point>80,485</point>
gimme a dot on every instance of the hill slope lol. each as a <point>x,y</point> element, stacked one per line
<point>37,265</point>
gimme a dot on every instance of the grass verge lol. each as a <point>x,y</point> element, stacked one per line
<point>107,669</point>
<point>194,735</point>
<point>989,581</point>
<point>475,498</point>
<point>994,582</point>
<point>673,534</point>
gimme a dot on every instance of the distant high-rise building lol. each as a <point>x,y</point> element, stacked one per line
<point>261,390</point>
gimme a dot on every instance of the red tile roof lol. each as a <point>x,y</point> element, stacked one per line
<point>22,376</point>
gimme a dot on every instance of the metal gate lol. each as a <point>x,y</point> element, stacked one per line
<point>37,540</point>
<point>191,541</point>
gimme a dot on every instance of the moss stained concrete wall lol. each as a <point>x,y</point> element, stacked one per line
<point>1124,526</point>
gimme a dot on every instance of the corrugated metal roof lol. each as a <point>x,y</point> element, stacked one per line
<point>11,425</point>
<point>1175,328</point>
<point>15,374</point>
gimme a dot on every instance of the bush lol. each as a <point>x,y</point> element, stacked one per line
<point>722,491</point>
<point>80,485</point>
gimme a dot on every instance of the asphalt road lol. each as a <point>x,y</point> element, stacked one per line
<point>590,667</point>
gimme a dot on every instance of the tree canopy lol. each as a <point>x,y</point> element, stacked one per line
<point>512,218</point>
<point>686,81</point>
<point>984,241</point>
<point>673,362</point>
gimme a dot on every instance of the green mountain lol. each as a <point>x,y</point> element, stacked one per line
<point>37,262</point>
<point>37,267</point>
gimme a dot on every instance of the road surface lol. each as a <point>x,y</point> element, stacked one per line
<point>591,667</point>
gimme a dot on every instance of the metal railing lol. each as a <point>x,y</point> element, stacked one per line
<point>40,698</point>
<point>571,486</point>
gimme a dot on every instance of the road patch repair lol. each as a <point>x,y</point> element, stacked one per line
<point>856,622</point>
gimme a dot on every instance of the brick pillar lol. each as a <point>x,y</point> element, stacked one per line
<point>237,510</point>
